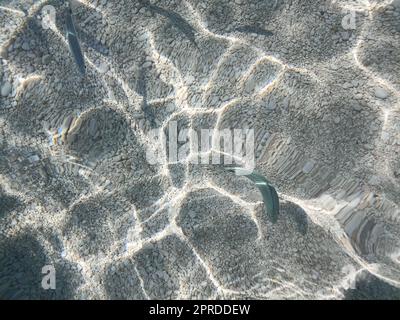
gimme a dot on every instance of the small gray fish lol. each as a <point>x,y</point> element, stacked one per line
<point>73,42</point>
<point>268,192</point>
<point>141,89</point>
<point>175,19</point>
<point>254,29</point>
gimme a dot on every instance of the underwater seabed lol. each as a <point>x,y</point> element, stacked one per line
<point>78,194</point>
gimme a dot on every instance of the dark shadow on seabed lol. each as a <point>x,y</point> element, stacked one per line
<point>21,261</point>
<point>370,287</point>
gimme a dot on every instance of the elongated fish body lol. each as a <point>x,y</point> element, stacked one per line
<point>255,30</point>
<point>273,205</point>
<point>73,43</point>
<point>268,192</point>
<point>141,89</point>
<point>175,19</point>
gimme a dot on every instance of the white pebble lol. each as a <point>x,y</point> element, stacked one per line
<point>6,89</point>
<point>33,158</point>
<point>103,67</point>
<point>381,93</point>
<point>308,166</point>
<point>146,64</point>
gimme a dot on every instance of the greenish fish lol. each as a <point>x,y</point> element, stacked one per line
<point>268,192</point>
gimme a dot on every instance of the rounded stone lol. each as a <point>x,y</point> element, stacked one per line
<point>381,93</point>
<point>103,67</point>
<point>6,89</point>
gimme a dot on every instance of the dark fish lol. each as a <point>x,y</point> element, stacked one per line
<point>175,19</point>
<point>88,39</point>
<point>73,42</point>
<point>254,29</point>
<point>268,192</point>
<point>141,88</point>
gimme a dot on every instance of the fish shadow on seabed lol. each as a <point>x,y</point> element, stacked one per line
<point>300,217</point>
<point>291,216</point>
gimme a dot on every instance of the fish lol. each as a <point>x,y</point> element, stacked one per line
<point>254,29</point>
<point>175,19</point>
<point>141,88</point>
<point>73,42</point>
<point>268,192</point>
<point>87,39</point>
